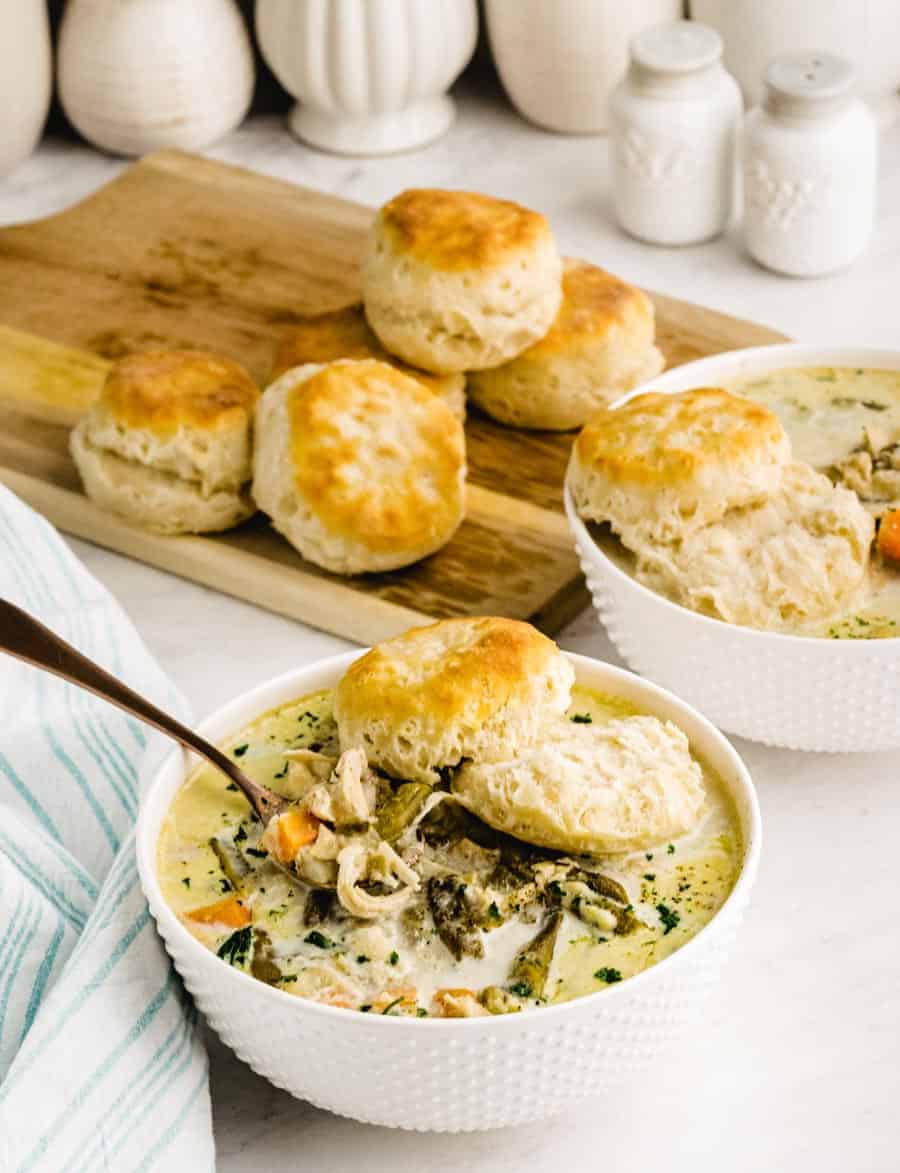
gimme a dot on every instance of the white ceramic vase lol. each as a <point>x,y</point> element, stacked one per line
<point>25,78</point>
<point>137,75</point>
<point>560,61</point>
<point>863,31</point>
<point>370,76</point>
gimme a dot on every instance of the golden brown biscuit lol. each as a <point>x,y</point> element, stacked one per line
<point>599,346</point>
<point>460,688</point>
<point>167,444</point>
<point>662,464</point>
<point>358,465</point>
<point>456,281</point>
<point>345,333</point>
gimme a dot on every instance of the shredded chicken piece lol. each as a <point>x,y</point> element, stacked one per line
<point>317,863</point>
<point>349,794</point>
<point>358,861</point>
<point>458,1004</point>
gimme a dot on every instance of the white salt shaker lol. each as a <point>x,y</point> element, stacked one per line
<point>810,168</point>
<point>674,121</point>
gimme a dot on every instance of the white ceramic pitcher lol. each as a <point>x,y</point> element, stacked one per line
<point>25,78</point>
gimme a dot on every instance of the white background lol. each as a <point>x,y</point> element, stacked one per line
<point>798,1065</point>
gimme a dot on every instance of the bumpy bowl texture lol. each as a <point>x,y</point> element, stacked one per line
<point>455,1074</point>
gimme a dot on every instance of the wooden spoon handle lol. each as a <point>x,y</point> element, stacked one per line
<point>22,636</point>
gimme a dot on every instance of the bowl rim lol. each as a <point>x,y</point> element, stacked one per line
<point>670,382</point>
<point>230,716</point>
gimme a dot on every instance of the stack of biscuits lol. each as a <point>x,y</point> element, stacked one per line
<point>356,450</point>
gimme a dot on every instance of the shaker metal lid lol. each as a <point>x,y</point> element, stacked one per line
<point>810,76</point>
<point>677,46</point>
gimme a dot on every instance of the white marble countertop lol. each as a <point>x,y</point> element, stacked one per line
<point>798,1066</point>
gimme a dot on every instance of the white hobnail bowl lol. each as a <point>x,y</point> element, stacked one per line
<point>799,692</point>
<point>455,1074</point>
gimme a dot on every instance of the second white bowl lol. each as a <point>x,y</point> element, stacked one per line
<point>798,692</point>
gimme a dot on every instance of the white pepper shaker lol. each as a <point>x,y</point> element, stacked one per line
<point>674,120</point>
<point>810,168</point>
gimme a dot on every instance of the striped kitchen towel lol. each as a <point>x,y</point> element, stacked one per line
<point>102,1066</point>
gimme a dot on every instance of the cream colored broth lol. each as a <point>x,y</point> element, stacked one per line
<point>397,963</point>
<point>830,413</point>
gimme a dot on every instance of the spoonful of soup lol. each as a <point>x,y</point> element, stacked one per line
<point>22,636</point>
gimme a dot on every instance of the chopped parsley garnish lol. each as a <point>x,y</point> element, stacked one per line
<point>239,751</point>
<point>671,849</point>
<point>651,876</point>
<point>186,881</point>
<point>391,1005</point>
<point>361,959</point>
<point>225,884</point>
<point>522,989</point>
<point>288,977</point>
<point>648,855</point>
<point>240,834</point>
<point>582,719</point>
<point>668,917</point>
<point>231,786</point>
<point>256,853</point>
<point>318,939</point>
<point>282,772</point>
<point>394,957</point>
<point>607,974</point>
<point>236,948</point>
<point>493,910</point>
<point>366,1008</point>
<point>421,1012</point>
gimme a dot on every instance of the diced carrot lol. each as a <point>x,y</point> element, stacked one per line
<point>889,535</point>
<point>450,992</point>
<point>296,828</point>
<point>229,912</point>
<point>457,1003</point>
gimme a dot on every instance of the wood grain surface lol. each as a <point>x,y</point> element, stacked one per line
<point>184,251</point>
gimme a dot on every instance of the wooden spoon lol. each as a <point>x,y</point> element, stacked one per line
<point>24,637</point>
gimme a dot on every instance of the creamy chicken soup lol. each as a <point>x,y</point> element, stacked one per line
<point>486,923</point>
<point>845,422</point>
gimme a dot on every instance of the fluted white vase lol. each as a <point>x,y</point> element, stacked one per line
<point>26,80</point>
<point>370,76</point>
<point>137,75</point>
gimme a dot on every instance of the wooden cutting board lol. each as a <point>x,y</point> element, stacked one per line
<point>183,251</point>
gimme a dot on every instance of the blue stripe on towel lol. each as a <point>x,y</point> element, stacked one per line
<point>88,988</point>
<point>43,976</point>
<point>172,1131</point>
<point>97,1076</point>
<point>56,896</point>
<point>119,1116</point>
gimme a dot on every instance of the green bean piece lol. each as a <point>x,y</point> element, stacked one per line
<point>231,861</point>
<point>400,809</point>
<point>262,966</point>
<point>530,969</point>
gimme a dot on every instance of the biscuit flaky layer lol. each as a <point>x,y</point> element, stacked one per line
<point>345,333</point>
<point>454,230</point>
<point>600,345</point>
<point>660,464</point>
<point>460,688</point>
<point>358,465</point>
<point>163,390</point>
<point>624,785</point>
